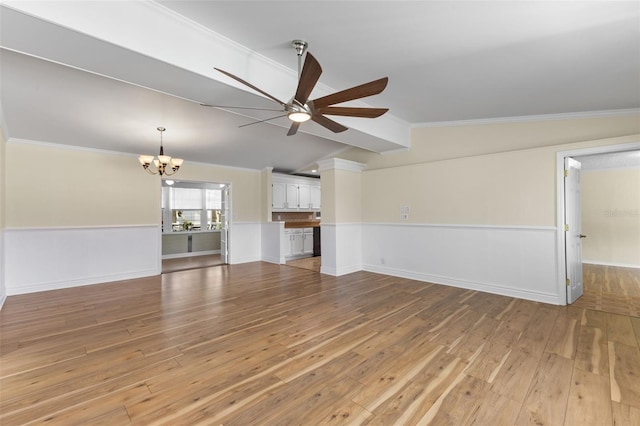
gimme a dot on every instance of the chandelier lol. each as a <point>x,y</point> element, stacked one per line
<point>164,164</point>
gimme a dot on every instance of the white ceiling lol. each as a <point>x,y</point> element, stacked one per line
<point>106,74</point>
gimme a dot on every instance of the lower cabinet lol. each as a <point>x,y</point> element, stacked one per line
<point>300,242</point>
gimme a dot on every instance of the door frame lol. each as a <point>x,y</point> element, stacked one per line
<point>560,201</point>
<point>229,212</point>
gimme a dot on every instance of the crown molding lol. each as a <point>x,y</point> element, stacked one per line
<point>340,164</point>
<point>529,118</point>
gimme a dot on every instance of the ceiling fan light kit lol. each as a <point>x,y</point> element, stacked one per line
<point>164,164</point>
<point>300,109</point>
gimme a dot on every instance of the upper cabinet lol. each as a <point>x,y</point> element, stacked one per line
<point>294,193</point>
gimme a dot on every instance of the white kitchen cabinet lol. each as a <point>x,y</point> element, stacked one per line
<point>295,193</point>
<point>307,241</point>
<point>304,197</point>
<point>298,242</point>
<point>295,246</point>
<point>279,196</point>
<point>292,202</point>
<point>315,197</point>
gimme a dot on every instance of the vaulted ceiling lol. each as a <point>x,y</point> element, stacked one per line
<point>105,74</point>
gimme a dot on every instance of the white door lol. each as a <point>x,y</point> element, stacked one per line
<point>224,226</point>
<point>573,229</point>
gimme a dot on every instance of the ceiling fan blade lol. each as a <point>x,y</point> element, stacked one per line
<point>357,92</point>
<point>262,121</point>
<point>353,112</point>
<point>328,123</point>
<point>293,129</point>
<point>309,76</point>
<point>238,107</point>
<point>228,74</point>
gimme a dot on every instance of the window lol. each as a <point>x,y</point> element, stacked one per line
<point>191,209</point>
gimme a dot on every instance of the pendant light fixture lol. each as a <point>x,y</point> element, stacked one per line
<point>164,164</point>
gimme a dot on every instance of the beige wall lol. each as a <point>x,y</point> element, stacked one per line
<point>246,187</point>
<point>348,198</point>
<point>441,143</point>
<point>500,189</point>
<point>51,186</point>
<point>341,196</point>
<point>444,183</point>
<point>611,216</point>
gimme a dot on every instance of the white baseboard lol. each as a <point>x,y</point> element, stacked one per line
<point>468,285</point>
<point>515,261</point>
<point>191,254</point>
<point>57,285</point>
<point>276,260</point>
<point>71,257</point>
<point>343,270</point>
<point>619,265</point>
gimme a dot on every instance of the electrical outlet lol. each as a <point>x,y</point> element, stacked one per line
<point>404,209</point>
<point>404,216</point>
<point>382,260</point>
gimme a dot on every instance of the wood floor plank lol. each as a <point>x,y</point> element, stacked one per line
<point>592,353</point>
<point>624,414</point>
<point>260,343</point>
<point>494,409</point>
<point>589,400</point>
<point>619,329</point>
<point>546,401</point>
<point>624,373</point>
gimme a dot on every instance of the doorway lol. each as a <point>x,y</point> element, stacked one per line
<point>598,276</point>
<point>195,225</point>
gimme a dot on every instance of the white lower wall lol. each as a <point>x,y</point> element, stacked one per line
<point>273,242</point>
<point>512,261</point>
<point>341,248</point>
<point>245,242</point>
<point>39,259</point>
<point>3,290</point>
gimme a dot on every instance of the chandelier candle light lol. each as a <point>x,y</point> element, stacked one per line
<point>165,165</point>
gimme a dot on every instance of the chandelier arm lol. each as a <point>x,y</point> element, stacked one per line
<point>148,170</point>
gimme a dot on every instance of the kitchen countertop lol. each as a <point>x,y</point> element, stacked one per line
<point>308,224</point>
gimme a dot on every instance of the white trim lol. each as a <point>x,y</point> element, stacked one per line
<point>71,257</point>
<point>529,118</point>
<point>616,264</point>
<point>124,154</point>
<point>190,254</point>
<point>70,228</point>
<point>62,284</point>
<point>533,295</point>
<point>457,225</point>
<point>513,261</point>
<point>340,164</point>
<point>560,242</point>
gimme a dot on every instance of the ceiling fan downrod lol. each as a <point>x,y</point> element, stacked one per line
<point>301,47</point>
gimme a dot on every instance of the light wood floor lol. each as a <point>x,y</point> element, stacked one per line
<point>611,289</point>
<point>310,263</point>
<point>265,344</point>
<point>193,262</point>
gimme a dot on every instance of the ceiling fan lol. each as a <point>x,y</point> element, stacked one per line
<point>300,109</point>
